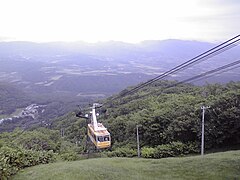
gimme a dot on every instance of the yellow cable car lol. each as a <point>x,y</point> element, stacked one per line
<point>97,133</point>
<point>101,139</point>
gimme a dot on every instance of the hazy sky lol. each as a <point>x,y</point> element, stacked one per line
<point>119,20</point>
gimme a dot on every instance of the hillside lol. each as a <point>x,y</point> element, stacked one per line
<point>166,116</point>
<point>169,121</point>
<point>63,75</point>
<point>215,166</point>
<point>23,110</point>
<point>11,98</point>
<point>35,93</point>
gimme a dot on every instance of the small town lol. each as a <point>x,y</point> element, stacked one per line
<point>30,111</point>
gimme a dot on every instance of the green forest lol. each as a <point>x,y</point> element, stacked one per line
<point>168,117</point>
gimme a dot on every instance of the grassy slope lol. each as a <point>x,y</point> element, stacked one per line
<point>213,166</point>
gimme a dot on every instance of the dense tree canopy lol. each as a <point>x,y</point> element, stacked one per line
<point>166,115</point>
<point>169,121</point>
<point>174,114</point>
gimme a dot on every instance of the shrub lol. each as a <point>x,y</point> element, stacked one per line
<point>148,152</point>
<point>163,151</point>
<point>122,152</point>
<point>169,150</point>
<point>178,148</point>
<point>12,160</point>
<point>69,156</point>
<point>192,147</point>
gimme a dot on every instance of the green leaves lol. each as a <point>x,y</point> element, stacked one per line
<point>169,150</point>
<point>14,159</point>
<point>175,115</point>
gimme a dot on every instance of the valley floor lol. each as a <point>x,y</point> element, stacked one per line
<point>216,166</point>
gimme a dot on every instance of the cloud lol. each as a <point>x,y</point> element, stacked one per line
<point>3,38</point>
<point>124,20</point>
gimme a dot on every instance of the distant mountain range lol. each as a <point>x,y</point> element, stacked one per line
<point>75,73</point>
<point>101,68</point>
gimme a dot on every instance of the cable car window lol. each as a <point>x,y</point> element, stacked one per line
<point>106,138</point>
<point>100,139</point>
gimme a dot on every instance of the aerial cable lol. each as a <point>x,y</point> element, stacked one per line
<point>203,56</point>
<point>206,55</point>
<point>220,72</point>
<point>219,69</point>
<point>199,56</point>
<point>204,75</point>
<point>182,66</point>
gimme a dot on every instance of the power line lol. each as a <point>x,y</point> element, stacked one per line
<point>204,75</point>
<point>208,73</point>
<point>183,66</point>
<point>218,70</point>
<point>206,55</point>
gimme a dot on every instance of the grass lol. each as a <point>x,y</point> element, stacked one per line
<point>214,166</point>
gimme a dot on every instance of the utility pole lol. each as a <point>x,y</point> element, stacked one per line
<point>138,147</point>
<point>203,114</point>
<point>62,132</point>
